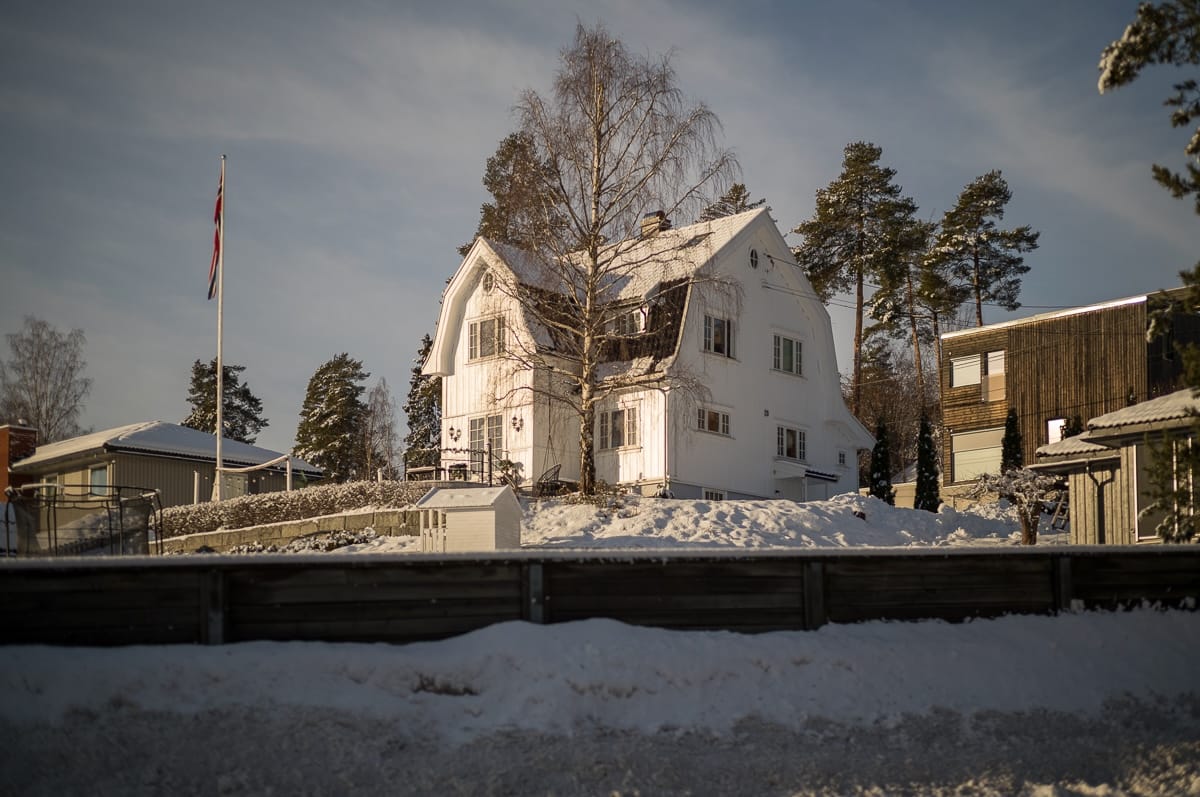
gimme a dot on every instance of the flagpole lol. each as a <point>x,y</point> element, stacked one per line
<point>220,338</point>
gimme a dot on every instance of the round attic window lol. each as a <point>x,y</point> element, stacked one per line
<point>489,282</point>
<point>753,258</point>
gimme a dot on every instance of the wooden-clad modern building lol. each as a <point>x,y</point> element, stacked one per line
<point>1083,361</point>
<point>177,461</point>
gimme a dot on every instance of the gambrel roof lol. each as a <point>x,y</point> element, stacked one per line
<point>640,271</point>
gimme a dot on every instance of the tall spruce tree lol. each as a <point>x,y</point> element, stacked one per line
<point>1012,455</point>
<point>241,411</point>
<point>735,200</point>
<point>928,496</point>
<point>981,257</point>
<point>424,411</point>
<point>519,213</point>
<point>851,237</point>
<point>881,459</point>
<point>332,419</point>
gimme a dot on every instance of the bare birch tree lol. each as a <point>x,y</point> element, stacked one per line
<point>43,385</point>
<point>380,439</point>
<point>621,143</point>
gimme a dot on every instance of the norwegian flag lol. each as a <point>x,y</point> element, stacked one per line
<point>216,255</point>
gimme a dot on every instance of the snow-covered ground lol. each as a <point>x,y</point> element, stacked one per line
<point>1080,704</point>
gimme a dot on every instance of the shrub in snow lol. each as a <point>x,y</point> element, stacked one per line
<point>928,496</point>
<point>309,502</point>
<point>1025,489</point>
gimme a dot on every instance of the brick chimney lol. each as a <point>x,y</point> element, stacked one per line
<point>16,442</point>
<point>655,222</point>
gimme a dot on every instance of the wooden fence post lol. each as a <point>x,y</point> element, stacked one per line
<point>1063,593</point>
<point>815,615</point>
<point>212,607</point>
<point>534,593</point>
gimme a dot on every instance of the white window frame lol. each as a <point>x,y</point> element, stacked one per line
<point>93,489</point>
<point>626,323</point>
<point>714,327</point>
<point>618,428</point>
<point>799,443</point>
<point>714,495</point>
<point>841,459</point>
<point>476,338</point>
<point>965,371</point>
<point>709,417</point>
<point>52,479</point>
<point>481,431</point>
<point>777,359</point>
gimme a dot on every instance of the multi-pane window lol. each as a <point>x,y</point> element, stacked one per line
<point>714,495</point>
<point>712,420</point>
<point>785,355</point>
<point>627,322</point>
<point>485,338</point>
<point>842,458</point>
<point>98,480</point>
<point>718,335</point>
<point>617,428</point>
<point>484,432</point>
<point>789,443</point>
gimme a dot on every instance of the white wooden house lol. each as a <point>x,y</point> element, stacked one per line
<point>719,305</point>
<point>467,518</point>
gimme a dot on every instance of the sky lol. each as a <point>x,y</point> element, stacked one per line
<point>356,138</point>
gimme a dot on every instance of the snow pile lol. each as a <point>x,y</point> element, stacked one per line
<point>600,673</point>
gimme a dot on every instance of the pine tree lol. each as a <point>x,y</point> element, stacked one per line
<point>1012,457</point>
<point>241,410</point>
<point>735,200</point>
<point>981,257</point>
<point>851,236</point>
<point>881,479</point>
<point>424,411</point>
<point>927,497</point>
<point>1163,33</point>
<point>332,419</point>
<point>516,178</point>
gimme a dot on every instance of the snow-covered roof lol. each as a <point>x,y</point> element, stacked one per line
<point>1065,312</point>
<point>1178,406</point>
<point>159,437</point>
<point>466,497</point>
<point>1078,446</point>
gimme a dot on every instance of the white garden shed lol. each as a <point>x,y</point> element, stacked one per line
<point>469,519</point>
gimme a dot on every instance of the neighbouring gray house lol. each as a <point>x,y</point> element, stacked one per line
<point>455,519</point>
<point>1107,467</point>
<point>177,461</point>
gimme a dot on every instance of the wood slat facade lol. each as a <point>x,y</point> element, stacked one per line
<point>1084,362</point>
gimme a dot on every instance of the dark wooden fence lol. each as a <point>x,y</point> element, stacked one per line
<point>412,597</point>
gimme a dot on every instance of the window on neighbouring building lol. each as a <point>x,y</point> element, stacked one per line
<point>718,335</point>
<point>994,381</point>
<point>98,480</point>
<point>617,428</point>
<point>485,338</point>
<point>626,322</point>
<point>483,433</point>
<point>1054,429</point>
<point>51,479</point>
<point>714,495</point>
<point>964,371</point>
<point>842,458</point>
<point>785,355</point>
<point>712,420</point>
<point>974,453</point>
<point>790,443</point>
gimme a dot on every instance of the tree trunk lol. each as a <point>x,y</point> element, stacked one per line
<point>1029,524</point>
<point>978,293</point>
<point>856,390</point>
<point>916,339</point>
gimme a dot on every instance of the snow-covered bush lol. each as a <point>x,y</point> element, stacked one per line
<point>254,510</point>
<point>1025,489</point>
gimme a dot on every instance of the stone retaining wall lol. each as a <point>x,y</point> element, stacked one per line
<point>385,522</point>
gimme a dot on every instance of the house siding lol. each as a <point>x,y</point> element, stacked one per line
<point>1084,363</point>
